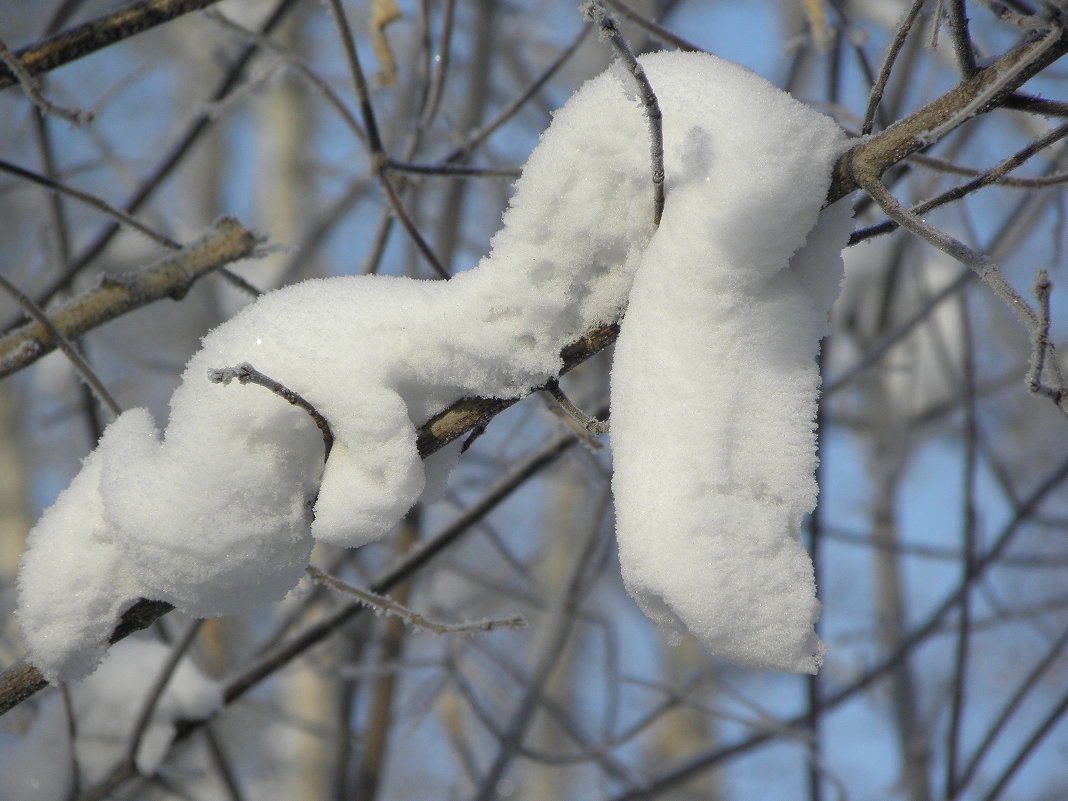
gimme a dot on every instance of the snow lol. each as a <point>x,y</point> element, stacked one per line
<point>714,381</point>
<point>213,514</point>
<point>106,707</point>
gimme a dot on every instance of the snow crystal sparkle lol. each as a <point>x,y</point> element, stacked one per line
<point>713,392</point>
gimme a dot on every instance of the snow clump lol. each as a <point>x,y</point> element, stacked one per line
<point>713,394</point>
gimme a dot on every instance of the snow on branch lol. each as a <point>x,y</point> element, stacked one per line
<point>217,513</point>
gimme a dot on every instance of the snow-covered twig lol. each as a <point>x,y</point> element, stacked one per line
<point>245,373</point>
<point>595,12</point>
<point>889,59</point>
<point>383,603</point>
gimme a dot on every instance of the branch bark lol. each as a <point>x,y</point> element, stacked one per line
<point>97,34</point>
<point>172,277</point>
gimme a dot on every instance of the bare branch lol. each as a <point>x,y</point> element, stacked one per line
<point>384,603</point>
<point>172,277</point>
<point>56,336</point>
<point>892,50</point>
<point>911,134</point>
<point>33,90</point>
<point>97,34</point>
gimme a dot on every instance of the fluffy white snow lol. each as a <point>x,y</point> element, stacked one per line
<point>212,514</point>
<point>35,765</point>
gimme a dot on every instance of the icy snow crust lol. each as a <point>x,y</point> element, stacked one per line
<point>713,397</point>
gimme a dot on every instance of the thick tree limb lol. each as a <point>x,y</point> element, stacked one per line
<point>97,34</point>
<point>172,277</point>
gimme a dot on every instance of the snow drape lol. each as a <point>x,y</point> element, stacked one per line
<point>713,396</point>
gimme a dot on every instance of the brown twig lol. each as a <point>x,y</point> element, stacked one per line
<point>97,34</point>
<point>913,133</point>
<point>227,85</point>
<point>995,175</point>
<point>56,336</point>
<point>892,50</point>
<point>172,277</point>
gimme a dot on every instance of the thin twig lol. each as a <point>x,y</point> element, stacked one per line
<point>383,603</point>
<point>294,61</point>
<point>97,34</point>
<point>987,271</point>
<point>892,50</point>
<point>1040,341</point>
<point>477,137</point>
<point>657,31</point>
<point>595,12</point>
<point>57,339</point>
<point>914,132</point>
<point>957,17</point>
<point>986,98</point>
<point>374,139</point>
<point>1025,750</point>
<point>591,424</point>
<point>1038,182</point>
<point>1027,684</point>
<point>222,764</point>
<point>33,90</point>
<point>551,651</point>
<point>89,199</point>
<point>994,175</point>
<point>72,741</point>
<point>436,87</point>
<point>690,767</point>
<point>152,698</point>
<point>454,170</point>
<point>965,622</point>
<point>227,85</point>
<point>245,373</point>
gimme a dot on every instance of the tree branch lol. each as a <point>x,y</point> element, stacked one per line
<point>912,133</point>
<point>172,277</point>
<point>97,34</point>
